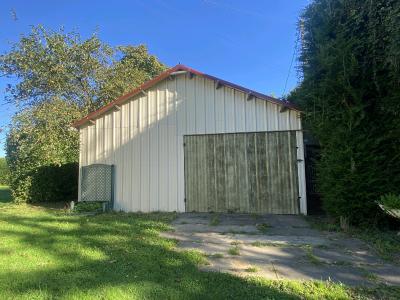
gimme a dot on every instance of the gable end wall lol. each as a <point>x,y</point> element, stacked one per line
<point>144,139</point>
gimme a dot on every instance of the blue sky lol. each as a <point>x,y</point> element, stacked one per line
<point>247,42</point>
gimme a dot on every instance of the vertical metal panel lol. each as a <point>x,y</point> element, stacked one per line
<point>144,140</point>
<point>210,105</point>
<point>219,109</point>
<point>200,105</point>
<point>154,150</point>
<point>163,153</point>
<point>172,147</point>
<point>126,156</point>
<point>91,144</point>
<point>135,155</point>
<point>250,108</point>
<point>272,117</point>
<point>190,101</point>
<point>144,156</point>
<point>240,113</point>
<point>108,138</point>
<point>181,130</point>
<point>270,185</point>
<point>229,109</point>
<point>99,139</point>
<point>261,119</point>
<point>83,147</point>
<point>116,127</point>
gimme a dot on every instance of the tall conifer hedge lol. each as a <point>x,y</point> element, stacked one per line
<point>350,93</point>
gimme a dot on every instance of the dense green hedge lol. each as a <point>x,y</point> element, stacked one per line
<point>50,183</point>
<point>350,94</point>
<point>4,172</point>
<point>54,183</point>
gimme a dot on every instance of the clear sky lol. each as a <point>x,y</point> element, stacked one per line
<point>250,43</point>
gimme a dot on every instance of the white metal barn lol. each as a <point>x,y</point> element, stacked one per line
<point>188,141</point>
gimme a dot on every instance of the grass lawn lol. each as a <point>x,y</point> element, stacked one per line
<point>47,253</point>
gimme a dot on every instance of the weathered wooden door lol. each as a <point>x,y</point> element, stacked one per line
<point>242,172</point>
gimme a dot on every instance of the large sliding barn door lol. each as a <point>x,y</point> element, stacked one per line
<point>242,172</point>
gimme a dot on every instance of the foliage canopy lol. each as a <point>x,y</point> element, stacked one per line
<point>350,92</point>
<point>85,72</point>
<point>41,136</point>
<point>59,78</point>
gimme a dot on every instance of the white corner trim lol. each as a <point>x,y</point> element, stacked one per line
<point>301,172</point>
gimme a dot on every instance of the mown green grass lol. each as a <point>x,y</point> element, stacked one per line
<point>5,194</point>
<point>50,254</point>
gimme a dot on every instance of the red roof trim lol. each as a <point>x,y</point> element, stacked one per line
<point>165,75</point>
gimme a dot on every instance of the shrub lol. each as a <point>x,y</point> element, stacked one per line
<point>54,183</point>
<point>47,184</point>
<point>4,172</point>
<point>390,200</point>
<point>42,151</point>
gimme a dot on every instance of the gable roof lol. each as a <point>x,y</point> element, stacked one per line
<point>120,100</point>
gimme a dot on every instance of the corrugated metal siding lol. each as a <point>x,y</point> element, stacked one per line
<point>144,139</point>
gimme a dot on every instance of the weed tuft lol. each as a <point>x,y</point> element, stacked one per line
<point>252,269</point>
<point>234,251</point>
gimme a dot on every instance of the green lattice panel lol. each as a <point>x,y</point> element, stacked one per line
<point>97,183</point>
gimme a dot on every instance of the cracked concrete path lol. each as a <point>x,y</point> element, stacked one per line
<point>279,247</point>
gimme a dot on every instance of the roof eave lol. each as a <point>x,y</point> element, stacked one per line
<point>93,115</point>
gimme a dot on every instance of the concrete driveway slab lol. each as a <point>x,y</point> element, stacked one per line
<point>279,247</point>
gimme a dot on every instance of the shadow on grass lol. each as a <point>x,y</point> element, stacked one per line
<point>108,256</point>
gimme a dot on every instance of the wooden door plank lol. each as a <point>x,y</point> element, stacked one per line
<point>229,160</point>
<point>241,172</point>
<point>201,174</point>
<point>251,172</point>
<point>262,186</point>
<point>210,173</point>
<point>220,172</point>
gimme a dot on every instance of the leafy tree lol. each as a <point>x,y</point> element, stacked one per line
<point>134,67</point>
<point>40,136</point>
<point>350,94</point>
<point>52,64</point>
<point>60,78</point>
<point>88,73</point>
<point>4,171</point>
